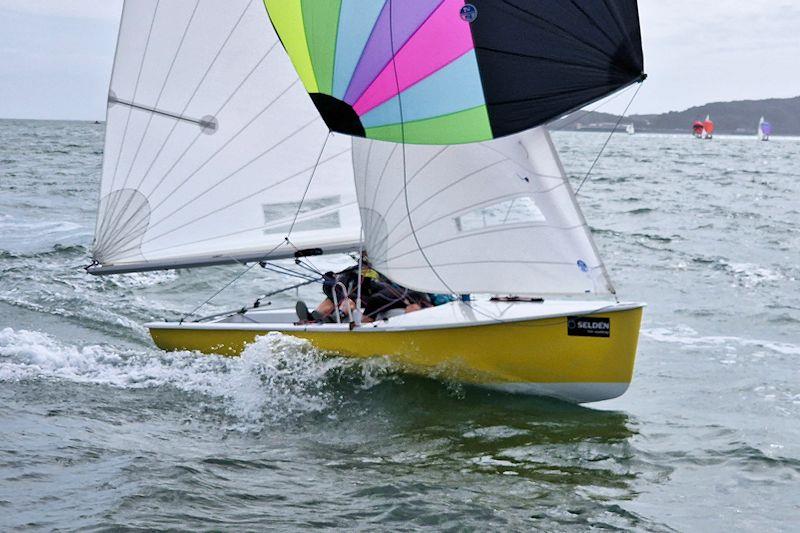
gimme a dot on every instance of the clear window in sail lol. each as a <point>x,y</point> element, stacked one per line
<point>520,210</point>
<point>313,214</point>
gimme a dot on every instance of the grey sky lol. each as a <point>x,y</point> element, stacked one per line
<point>57,54</point>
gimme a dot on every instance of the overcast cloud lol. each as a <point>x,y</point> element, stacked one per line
<point>57,54</point>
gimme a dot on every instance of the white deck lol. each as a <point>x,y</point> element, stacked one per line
<point>451,315</point>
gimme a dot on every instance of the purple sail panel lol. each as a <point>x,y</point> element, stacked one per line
<point>766,128</point>
<point>407,16</point>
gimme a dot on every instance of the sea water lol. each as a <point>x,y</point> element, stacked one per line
<point>100,430</point>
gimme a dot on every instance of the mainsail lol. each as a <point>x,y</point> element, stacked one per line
<point>211,142</point>
<point>495,217</point>
<point>448,72</point>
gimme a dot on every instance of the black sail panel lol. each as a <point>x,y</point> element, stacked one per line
<point>540,59</point>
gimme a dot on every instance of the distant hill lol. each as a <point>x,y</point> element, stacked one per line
<point>729,117</point>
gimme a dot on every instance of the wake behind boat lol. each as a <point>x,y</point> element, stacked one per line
<point>248,137</point>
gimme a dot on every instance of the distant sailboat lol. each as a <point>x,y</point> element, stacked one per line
<point>708,128</point>
<point>630,129</point>
<point>697,129</point>
<point>764,130</point>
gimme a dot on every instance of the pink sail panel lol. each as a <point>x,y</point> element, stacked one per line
<point>442,39</point>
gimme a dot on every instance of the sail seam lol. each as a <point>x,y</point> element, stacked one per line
<point>130,112</point>
<point>487,231</point>
<point>563,30</point>
<point>191,99</point>
<point>250,195</point>
<point>469,207</point>
<point>188,103</point>
<point>153,112</point>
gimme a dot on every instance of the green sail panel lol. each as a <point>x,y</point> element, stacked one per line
<point>471,125</point>
<point>321,23</point>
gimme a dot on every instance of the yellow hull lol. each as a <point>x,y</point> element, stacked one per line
<point>537,356</point>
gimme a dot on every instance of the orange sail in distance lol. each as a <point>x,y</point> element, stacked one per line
<point>708,128</point>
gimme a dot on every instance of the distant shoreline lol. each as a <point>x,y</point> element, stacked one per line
<point>553,127</point>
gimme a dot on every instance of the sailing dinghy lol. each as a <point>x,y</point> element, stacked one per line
<point>708,128</point>
<point>412,131</point>
<point>764,130</point>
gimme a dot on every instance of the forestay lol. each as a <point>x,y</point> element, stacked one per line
<point>495,217</point>
<point>211,142</point>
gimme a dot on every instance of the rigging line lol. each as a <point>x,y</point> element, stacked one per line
<point>440,191</point>
<point>403,145</point>
<point>135,93</point>
<point>289,273</point>
<point>258,300</point>
<point>305,193</point>
<point>200,133</point>
<point>380,178</point>
<point>399,297</point>
<point>301,264</point>
<point>539,191</point>
<point>602,103</point>
<point>152,113</point>
<point>231,282</point>
<point>308,185</point>
<point>565,31</point>
<point>192,97</point>
<point>605,144</point>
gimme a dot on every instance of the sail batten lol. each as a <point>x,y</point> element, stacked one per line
<point>212,143</point>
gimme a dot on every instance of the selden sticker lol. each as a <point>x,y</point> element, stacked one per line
<point>588,326</point>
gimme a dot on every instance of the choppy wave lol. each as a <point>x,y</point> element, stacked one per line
<point>276,377</point>
<point>687,336</point>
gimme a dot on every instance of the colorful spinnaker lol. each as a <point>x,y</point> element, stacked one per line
<point>450,72</point>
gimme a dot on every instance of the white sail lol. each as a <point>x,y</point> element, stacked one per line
<point>211,142</point>
<point>496,217</point>
<point>763,135</point>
